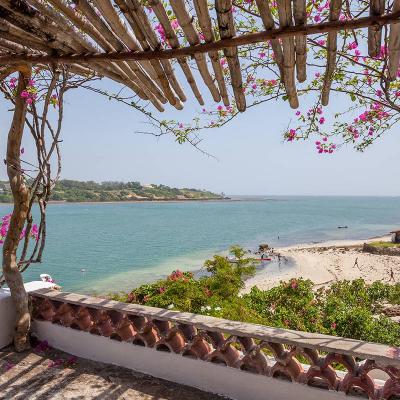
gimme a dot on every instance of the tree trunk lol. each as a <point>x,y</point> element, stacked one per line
<point>21,196</point>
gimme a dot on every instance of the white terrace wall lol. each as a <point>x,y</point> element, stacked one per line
<point>239,360</point>
<point>213,378</point>
<point>7,311</point>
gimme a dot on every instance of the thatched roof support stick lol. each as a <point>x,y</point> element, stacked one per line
<point>203,16</point>
<point>47,23</point>
<point>300,18</point>
<point>62,24</point>
<point>73,17</point>
<point>91,30</point>
<point>376,7</point>
<point>269,23</point>
<point>36,25</point>
<point>173,41</point>
<point>163,79</point>
<point>394,45</point>
<point>103,70</point>
<point>130,41</point>
<point>141,20</point>
<point>185,21</point>
<point>285,19</point>
<point>248,38</point>
<point>18,35</point>
<point>227,30</point>
<point>163,68</point>
<point>92,26</point>
<point>331,46</point>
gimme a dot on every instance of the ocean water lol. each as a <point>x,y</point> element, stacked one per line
<point>99,248</point>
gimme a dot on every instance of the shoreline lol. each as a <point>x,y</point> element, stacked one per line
<point>327,262</point>
<point>336,243</point>
<point>130,201</point>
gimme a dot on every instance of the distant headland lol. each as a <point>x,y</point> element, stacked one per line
<point>77,191</point>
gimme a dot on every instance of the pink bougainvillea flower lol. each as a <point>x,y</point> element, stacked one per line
<point>35,231</point>
<point>13,83</point>
<point>175,24</point>
<point>8,365</point>
<point>42,347</point>
<point>58,362</point>
<point>352,46</point>
<point>291,135</point>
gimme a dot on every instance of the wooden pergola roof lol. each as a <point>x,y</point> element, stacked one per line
<point>118,40</point>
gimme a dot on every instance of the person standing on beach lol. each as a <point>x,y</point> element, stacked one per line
<point>391,275</point>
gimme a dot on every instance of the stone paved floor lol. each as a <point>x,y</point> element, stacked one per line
<point>45,373</point>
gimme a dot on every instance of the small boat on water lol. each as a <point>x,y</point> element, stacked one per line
<point>342,227</point>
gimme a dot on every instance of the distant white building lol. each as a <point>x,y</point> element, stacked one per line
<point>395,236</point>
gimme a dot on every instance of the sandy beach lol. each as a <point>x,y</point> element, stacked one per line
<point>325,263</point>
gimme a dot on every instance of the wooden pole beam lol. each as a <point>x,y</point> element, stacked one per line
<point>249,38</point>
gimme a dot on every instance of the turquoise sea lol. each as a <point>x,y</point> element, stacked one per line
<point>116,246</point>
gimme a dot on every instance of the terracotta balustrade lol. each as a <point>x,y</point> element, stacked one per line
<point>327,362</point>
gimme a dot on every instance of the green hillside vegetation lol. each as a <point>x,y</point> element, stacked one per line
<point>76,191</point>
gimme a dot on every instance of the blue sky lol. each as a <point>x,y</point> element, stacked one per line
<point>100,143</point>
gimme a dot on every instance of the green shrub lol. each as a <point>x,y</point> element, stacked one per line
<point>347,308</point>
